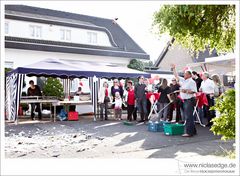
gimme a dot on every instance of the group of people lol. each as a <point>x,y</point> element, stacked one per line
<point>191,84</point>
<point>179,95</point>
<point>115,95</point>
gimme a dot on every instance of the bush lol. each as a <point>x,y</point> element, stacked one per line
<point>24,106</point>
<point>225,124</point>
<point>136,64</point>
<point>53,87</point>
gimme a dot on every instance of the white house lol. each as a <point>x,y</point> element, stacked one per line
<point>33,34</point>
<point>182,58</point>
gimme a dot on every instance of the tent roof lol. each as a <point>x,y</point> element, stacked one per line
<point>77,69</point>
<point>224,64</point>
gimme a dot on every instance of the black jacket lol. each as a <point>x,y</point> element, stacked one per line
<point>198,82</point>
<point>34,92</point>
<point>163,97</point>
<point>139,92</point>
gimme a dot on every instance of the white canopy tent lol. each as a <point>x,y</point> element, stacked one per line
<point>222,65</point>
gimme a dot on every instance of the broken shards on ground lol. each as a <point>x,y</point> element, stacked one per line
<point>81,150</point>
<point>55,155</point>
<point>24,154</point>
<point>100,138</point>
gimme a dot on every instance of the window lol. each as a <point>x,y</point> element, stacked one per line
<point>65,34</point>
<point>9,64</point>
<point>35,31</point>
<point>92,37</point>
<point>6,27</point>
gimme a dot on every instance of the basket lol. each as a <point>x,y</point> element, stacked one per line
<point>173,129</point>
<point>156,126</point>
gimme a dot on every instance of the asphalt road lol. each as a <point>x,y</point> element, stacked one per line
<point>105,139</point>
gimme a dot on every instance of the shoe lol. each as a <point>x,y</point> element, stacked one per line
<point>186,135</point>
<point>39,118</point>
<point>106,118</point>
<point>209,124</point>
<point>140,121</point>
<point>146,122</point>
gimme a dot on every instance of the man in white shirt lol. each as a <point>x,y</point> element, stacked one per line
<point>207,87</point>
<point>187,90</point>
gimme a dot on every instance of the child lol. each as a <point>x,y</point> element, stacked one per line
<point>118,106</point>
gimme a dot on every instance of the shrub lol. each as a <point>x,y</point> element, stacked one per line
<point>53,87</point>
<point>225,124</point>
<point>136,64</point>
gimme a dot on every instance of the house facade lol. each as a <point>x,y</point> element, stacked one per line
<point>33,34</point>
<point>180,56</point>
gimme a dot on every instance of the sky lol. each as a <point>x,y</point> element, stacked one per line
<point>135,17</point>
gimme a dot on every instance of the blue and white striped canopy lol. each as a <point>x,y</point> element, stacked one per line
<point>78,69</point>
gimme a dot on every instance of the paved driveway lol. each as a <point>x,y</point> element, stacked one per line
<point>104,139</point>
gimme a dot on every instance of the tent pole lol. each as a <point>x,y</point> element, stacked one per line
<point>18,95</point>
<point>69,81</point>
<point>205,67</point>
<point>94,88</point>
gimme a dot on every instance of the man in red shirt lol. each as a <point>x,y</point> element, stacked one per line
<point>131,102</point>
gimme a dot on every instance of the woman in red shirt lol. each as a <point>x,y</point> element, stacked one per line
<point>131,102</point>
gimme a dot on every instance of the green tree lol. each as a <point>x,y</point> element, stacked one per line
<point>7,70</point>
<point>148,64</point>
<point>225,124</point>
<point>195,26</point>
<point>136,64</point>
<point>53,87</point>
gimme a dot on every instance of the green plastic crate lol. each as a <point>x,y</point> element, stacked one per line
<point>173,129</point>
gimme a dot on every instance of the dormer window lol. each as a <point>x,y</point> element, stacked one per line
<point>35,31</point>
<point>92,37</point>
<point>65,34</point>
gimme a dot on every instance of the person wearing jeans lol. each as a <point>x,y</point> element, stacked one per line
<point>187,90</point>
<point>104,99</point>
<point>34,90</point>
<point>164,100</point>
<point>141,99</point>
